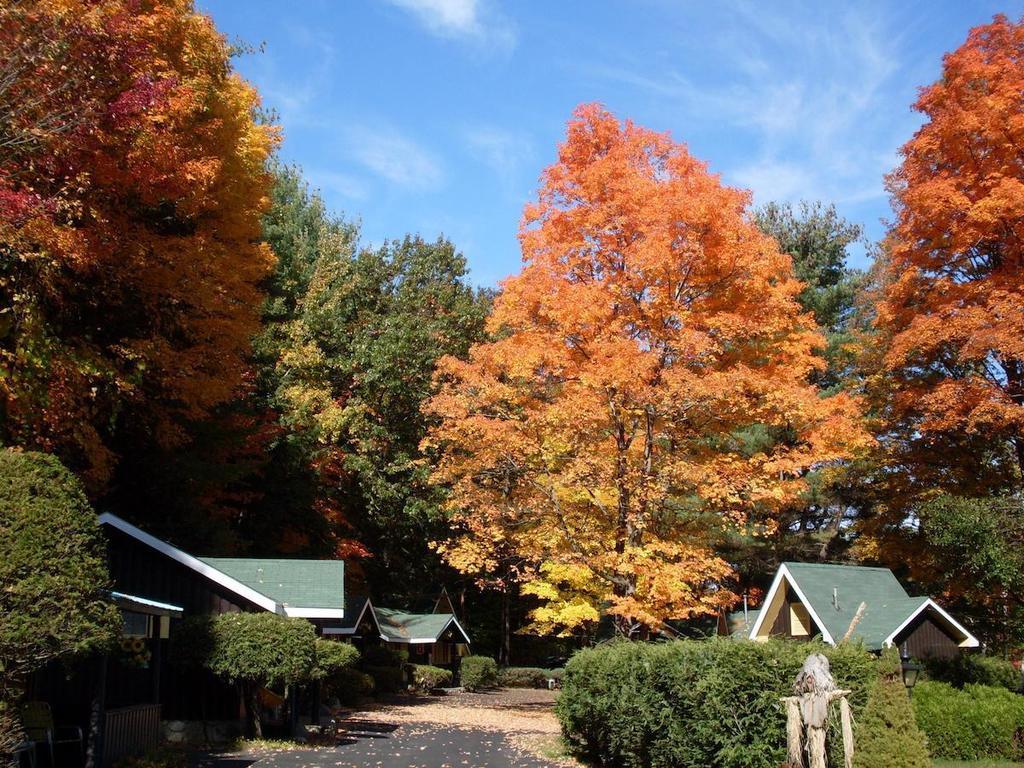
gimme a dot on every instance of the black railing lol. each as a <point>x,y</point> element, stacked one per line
<point>130,731</point>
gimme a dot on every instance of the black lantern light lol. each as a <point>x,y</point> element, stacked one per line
<point>910,669</point>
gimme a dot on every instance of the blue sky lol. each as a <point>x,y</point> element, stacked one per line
<point>437,116</point>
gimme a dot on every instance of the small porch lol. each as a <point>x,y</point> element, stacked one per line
<point>112,701</point>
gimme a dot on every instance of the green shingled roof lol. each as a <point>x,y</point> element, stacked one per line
<point>402,627</point>
<point>888,604</point>
<point>291,582</point>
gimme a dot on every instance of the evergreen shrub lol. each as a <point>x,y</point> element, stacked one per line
<point>426,677</point>
<point>976,722</point>
<point>478,672</point>
<point>886,733</point>
<point>387,668</point>
<point>349,685</point>
<point>693,703</point>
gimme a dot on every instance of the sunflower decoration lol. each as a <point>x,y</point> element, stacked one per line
<point>135,652</point>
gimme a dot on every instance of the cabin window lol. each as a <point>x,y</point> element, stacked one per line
<point>799,620</point>
<point>135,624</point>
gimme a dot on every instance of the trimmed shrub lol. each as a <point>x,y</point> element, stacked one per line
<point>478,672</point>
<point>349,685</point>
<point>53,572</point>
<point>332,656</point>
<point>713,702</point>
<point>258,650</point>
<point>386,680</point>
<point>387,668</point>
<point>965,669</point>
<point>426,677</point>
<point>523,677</point>
<point>886,732</point>
<point>973,723</point>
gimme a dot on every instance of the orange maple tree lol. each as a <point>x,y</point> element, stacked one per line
<point>132,180</point>
<point>646,389</point>
<point>952,315</point>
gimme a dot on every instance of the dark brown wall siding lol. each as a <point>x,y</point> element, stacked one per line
<point>925,638</point>
<point>142,571</point>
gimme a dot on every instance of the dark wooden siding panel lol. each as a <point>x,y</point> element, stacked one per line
<point>781,626</point>
<point>927,638</point>
<point>140,570</point>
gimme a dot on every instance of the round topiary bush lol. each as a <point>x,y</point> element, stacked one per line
<point>426,677</point>
<point>257,650</point>
<point>478,672</point>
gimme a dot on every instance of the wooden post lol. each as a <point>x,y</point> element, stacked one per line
<point>794,739</point>
<point>815,691</point>
<point>846,718</point>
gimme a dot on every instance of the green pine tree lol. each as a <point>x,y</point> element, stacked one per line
<point>886,733</point>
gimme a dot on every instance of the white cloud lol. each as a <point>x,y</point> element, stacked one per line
<point>395,158</point>
<point>343,184</point>
<point>809,98</point>
<point>504,152</point>
<point>473,20</point>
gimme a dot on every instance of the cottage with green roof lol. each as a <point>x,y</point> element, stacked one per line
<point>855,603</point>
<point>142,564</point>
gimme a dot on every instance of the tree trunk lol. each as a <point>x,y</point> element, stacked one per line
<point>504,650</point>
<point>251,701</point>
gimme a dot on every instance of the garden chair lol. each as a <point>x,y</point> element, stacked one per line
<point>37,720</point>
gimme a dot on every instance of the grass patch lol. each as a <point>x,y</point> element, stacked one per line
<point>976,764</point>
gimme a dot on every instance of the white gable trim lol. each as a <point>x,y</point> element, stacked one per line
<point>352,630</point>
<point>969,641</point>
<point>785,577</point>
<point>193,563</point>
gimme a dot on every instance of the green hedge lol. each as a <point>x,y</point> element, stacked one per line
<point>692,703</point>
<point>965,669</point>
<point>524,677</point>
<point>972,723</point>
<point>478,672</point>
<point>426,677</point>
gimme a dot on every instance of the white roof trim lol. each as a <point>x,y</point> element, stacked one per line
<point>314,613</point>
<point>419,640</point>
<point>192,563</point>
<point>146,602</point>
<point>784,575</point>
<point>969,641</point>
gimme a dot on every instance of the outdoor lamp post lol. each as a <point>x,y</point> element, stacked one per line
<point>910,669</point>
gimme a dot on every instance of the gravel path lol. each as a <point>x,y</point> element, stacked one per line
<point>504,729</point>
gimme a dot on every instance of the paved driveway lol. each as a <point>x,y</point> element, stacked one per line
<point>496,730</point>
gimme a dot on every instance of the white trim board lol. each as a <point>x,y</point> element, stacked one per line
<point>784,575</point>
<point>969,641</point>
<point>192,563</point>
<point>314,613</point>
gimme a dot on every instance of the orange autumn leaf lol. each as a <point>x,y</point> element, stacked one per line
<point>600,432</point>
